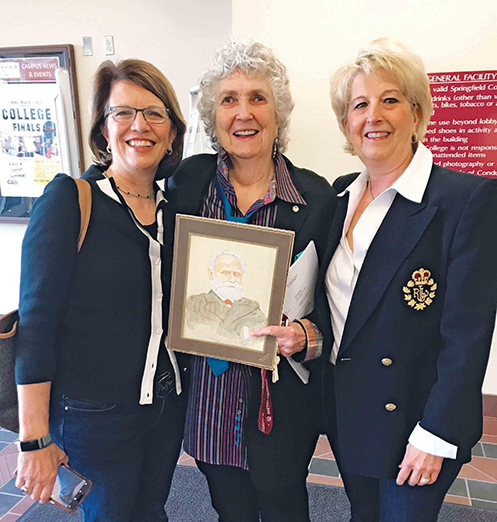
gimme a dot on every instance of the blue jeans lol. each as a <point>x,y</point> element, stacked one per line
<point>128,452</point>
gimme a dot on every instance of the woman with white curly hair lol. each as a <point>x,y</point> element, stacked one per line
<point>253,447</point>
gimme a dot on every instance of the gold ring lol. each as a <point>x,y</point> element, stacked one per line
<point>423,481</point>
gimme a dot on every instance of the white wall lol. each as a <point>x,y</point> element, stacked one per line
<point>10,257</point>
<point>180,37</point>
<point>314,37</point>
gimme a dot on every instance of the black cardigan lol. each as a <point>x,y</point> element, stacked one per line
<point>85,317</point>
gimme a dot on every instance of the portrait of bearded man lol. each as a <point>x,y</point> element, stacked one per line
<point>224,314</point>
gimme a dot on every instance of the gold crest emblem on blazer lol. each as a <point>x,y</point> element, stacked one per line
<point>420,290</point>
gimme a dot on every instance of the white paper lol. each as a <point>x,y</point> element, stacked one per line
<point>299,297</point>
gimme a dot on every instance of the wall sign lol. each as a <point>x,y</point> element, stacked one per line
<point>39,124</point>
<point>462,133</point>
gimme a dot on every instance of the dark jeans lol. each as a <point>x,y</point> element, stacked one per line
<point>236,499</point>
<point>128,452</point>
<point>382,500</point>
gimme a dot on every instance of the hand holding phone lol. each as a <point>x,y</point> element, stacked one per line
<point>70,489</point>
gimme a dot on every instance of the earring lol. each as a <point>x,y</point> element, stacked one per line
<point>414,139</point>
<point>108,149</point>
<point>169,151</point>
<point>275,147</point>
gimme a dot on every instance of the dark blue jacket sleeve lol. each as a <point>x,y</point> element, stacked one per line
<point>49,253</point>
<point>467,320</point>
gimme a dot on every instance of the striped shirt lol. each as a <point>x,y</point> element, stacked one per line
<point>217,406</point>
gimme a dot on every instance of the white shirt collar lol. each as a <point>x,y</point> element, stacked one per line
<point>106,187</point>
<point>411,184</point>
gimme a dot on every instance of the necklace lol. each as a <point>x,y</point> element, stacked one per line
<point>130,193</point>
<point>369,187</point>
<point>133,193</point>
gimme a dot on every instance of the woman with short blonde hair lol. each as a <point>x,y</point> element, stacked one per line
<point>405,297</point>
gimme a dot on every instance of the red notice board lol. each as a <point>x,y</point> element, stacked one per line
<point>462,133</point>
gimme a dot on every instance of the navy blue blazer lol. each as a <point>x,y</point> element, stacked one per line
<point>277,458</point>
<point>435,328</point>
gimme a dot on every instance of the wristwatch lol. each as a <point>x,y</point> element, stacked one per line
<point>35,444</point>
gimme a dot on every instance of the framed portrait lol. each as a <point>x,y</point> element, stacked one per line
<point>228,279</point>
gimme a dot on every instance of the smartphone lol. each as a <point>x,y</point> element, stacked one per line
<point>70,489</point>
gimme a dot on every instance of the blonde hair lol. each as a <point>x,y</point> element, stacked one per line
<point>395,60</point>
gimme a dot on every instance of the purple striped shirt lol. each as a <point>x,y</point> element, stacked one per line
<point>217,406</point>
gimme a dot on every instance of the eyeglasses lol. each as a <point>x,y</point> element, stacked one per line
<point>126,114</point>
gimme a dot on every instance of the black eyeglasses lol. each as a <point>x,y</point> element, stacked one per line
<point>126,114</point>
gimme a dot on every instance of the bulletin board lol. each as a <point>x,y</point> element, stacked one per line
<point>39,124</point>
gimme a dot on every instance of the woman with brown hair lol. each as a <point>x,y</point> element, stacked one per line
<point>92,369</point>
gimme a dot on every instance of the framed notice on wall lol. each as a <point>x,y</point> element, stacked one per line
<point>39,124</point>
<point>462,133</point>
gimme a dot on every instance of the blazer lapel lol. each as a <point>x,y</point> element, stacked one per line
<point>334,235</point>
<point>336,229</point>
<point>402,228</point>
<point>288,219</point>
